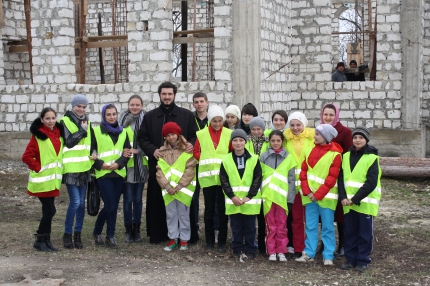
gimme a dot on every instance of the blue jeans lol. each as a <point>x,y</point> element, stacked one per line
<point>76,208</point>
<point>132,202</point>
<point>110,192</point>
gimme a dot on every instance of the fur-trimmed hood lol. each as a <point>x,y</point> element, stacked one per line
<point>37,131</point>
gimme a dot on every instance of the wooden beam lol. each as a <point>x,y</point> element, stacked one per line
<point>188,32</point>
<point>18,49</point>
<point>192,40</point>
<point>27,13</point>
<point>17,43</point>
<point>104,38</point>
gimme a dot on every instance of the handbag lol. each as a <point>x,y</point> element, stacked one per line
<point>93,195</point>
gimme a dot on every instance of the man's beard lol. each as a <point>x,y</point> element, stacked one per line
<point>167,106</point>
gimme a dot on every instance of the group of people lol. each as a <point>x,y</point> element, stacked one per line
<point>340,76</point>
<point>286,179</point>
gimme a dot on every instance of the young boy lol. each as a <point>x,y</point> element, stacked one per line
<point>360,194</point>
<point>318,177</point>
<point>240,177</point>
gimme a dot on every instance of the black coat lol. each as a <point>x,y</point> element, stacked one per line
<point>149,136</point>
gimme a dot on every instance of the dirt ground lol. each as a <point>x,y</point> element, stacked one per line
<point>401,253</point>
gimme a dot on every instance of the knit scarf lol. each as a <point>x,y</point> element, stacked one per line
<point>257,142</point>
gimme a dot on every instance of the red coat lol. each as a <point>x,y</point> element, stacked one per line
<point>344,137</point>
<point>31,155</point>
<point>215,136</point>
<point>317,152</point>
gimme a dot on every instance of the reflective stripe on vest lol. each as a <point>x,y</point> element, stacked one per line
<point>77,159</point>
<point>316,177</point>
<point>50,175</point>
<point>308,145</point>
<point>275,185</point>
<point>130,163</point>
<point>108,152</point>
<point>210,158</point>
<point>241,187</point>
<point>174,174</point>
<point>354,180</point>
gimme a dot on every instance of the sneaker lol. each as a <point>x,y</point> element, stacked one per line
<point>250,255</point>
<point>221,249</point>
<point>184,245</point>
<point>290,249</point>
<point>281,257</point>
<point>297,255</point>
<point>272,257</point>
<point>216,236</point>
<point>340,252</point>
<point>173,243</point>
<point>236,254</point>
<point>209,248</point>
<point>304,258</point>
<point>111,242</point>
<point>347,266</point>
<point>360,268</point>
<point>328,262</point>
<point>98,239</point>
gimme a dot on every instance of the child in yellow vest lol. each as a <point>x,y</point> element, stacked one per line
<point>240,177</point>
<point>360,193</point>
<point>176,177</point>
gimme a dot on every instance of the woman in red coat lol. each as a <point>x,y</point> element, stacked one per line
<point>43,157</point>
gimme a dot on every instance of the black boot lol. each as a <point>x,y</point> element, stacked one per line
<point>48,242</point>
<point>67,241</point>
<point>320,249</point>
<point>136,232</point>
<point>40,243</point>
<point>128,233</point>
<point>341,230</point>
<point>77,240</point>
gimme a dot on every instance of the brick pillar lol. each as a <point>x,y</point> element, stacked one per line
<point>2,81</point>
<point>53,39</point>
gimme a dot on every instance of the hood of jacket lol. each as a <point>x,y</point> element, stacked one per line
<point>36,129</point>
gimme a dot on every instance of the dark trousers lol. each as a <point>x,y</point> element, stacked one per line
<point>261,231</point>
<point>358,238</point>
<point>243,227</point>
<point>214,194</point>
<point>196,201</point>
<point>289,227</point>
<point>48,212</point>
<point>156,223</point>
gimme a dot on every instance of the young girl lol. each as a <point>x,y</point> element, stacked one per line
<point>257,142</point>
<point>360,194</point>
<point>137,171</point>
<point>318,177</point>
<point>111,143</point>
<point>299,141</point>
<point>240,177</point>
<point>43,156</point>
<point>211,146</point>
<point>232,117</point>
<point>77,165</point>
<point>248,112</point>
<point>277,190</point>
<point>279,122</point>
<point>176,177</point>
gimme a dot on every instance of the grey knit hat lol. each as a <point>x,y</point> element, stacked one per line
<point>238,133</point>
<point>257,121</point>
<point>363,131</point>
<point>327,131</point>
<point>79,99</point>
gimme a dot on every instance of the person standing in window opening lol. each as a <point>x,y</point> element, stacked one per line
<point>232,117</point>
<point>357,75</point>
<point>279,122</point>
<point>137,170</point>
<point>150,140</point>
<point>339,74</point>
<point>248,112</point>
<point>43,155</point>
<point>330,115</point>
<point>113,152</point>
<point>77,165</point>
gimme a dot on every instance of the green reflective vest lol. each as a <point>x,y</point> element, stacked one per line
<point>250,147</point>
<point>308,145</point>
<point>174,174</point>
<point>108,152</point>
<point>274,188</point>
<point>241,186</point>
<point>211,158</point>
<point>316,177</point>
<point>51,172</point>
<point>77,159</point>
<point>354,180</point>
<point>130,163</point>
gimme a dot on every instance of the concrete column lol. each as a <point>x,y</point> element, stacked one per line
<point>2,81</point>
<point>412,78</point>
<point>246,34</point>
<point>53,40</point>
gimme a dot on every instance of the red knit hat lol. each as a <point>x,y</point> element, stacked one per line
<point>171,127</point>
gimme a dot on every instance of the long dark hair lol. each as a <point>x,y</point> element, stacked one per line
<point>46,110</point>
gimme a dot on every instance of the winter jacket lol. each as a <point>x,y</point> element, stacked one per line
<point>200,123</point>
<point>298,141</point>
<point>330,181</point>
<point>170,155</point>
<point>338,76</point>
<point>371,177</point>
<point>149,135</point>
<point>215,136</point>
<point>31,155</point>
<point>344,137</point>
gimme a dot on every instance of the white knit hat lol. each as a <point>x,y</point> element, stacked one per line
<point>298,116</point>
<point>233,109</point>
<point>214,111</point>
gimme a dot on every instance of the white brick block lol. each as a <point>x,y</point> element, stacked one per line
<point>222,32</point>
<point>362,114</point>
<point>160,36</point>
<point>51,98</point>
<point>222,11</point>
<point>377,95</point>
<point>360,95</point>
<point>160,56</point>
<point>222,75</point>
<point>394,114</point>
<point>67,31</point>
<point>61,41</point>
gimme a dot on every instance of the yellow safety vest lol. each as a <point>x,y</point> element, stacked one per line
<point>241,187</point>
<point>108,152</point>
<point>211,158</point>
<point>130,163</point>
<point>51,172</point>
<point>250,147</point>
<point>316,177</point>
<point>174,174</point>
<point>77,159</point>
<point>354,180</point>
